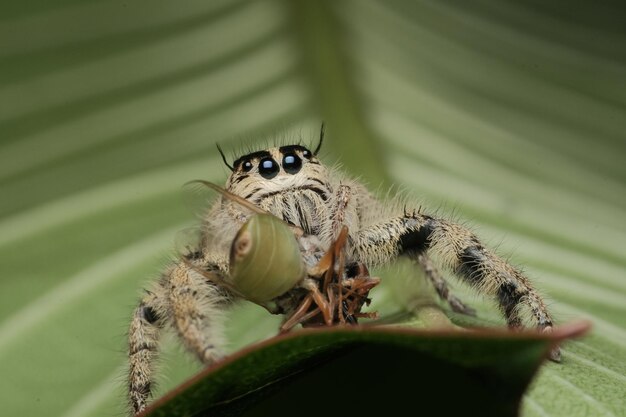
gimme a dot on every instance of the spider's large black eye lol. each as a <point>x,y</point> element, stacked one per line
<point>268,168</point>
<point>246,166</point>
<point>292,163</point>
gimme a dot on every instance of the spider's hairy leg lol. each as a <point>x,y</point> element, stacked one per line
<point>143,343</point>
<point>459,250</point>
<point>441,286</point>
<point>197,309</point>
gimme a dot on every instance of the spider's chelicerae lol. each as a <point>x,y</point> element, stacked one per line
<point>291,183</point>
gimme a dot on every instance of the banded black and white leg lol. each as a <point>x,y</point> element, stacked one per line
<point>460,251</point>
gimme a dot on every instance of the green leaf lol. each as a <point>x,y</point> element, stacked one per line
<point>366,371</point>
<point>505,115</point>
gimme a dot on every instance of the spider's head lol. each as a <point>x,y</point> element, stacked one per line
<point>276,170</point>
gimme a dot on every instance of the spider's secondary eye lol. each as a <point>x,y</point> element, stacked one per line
<point>268,168</point>
<point>247,166</point>
<point>292,163</point>
<point>306,153</point>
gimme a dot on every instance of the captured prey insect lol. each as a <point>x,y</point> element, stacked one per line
<point>338,230</point>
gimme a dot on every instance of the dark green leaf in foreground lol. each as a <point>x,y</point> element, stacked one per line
<point>367,371</point>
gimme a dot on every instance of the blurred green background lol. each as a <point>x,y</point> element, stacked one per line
<point>509,116</point>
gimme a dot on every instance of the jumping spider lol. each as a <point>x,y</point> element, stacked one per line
<point>336,218</point>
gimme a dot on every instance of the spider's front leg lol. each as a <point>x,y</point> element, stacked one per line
<point>143,344</point>
<point>193,305</point>
<point>460,251</point>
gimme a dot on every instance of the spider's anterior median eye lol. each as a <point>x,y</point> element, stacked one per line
<point>268,168</point>
<point>292,163</point>
<point>247,166</point>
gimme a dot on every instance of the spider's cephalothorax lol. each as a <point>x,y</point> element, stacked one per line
<point>291,183</point>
